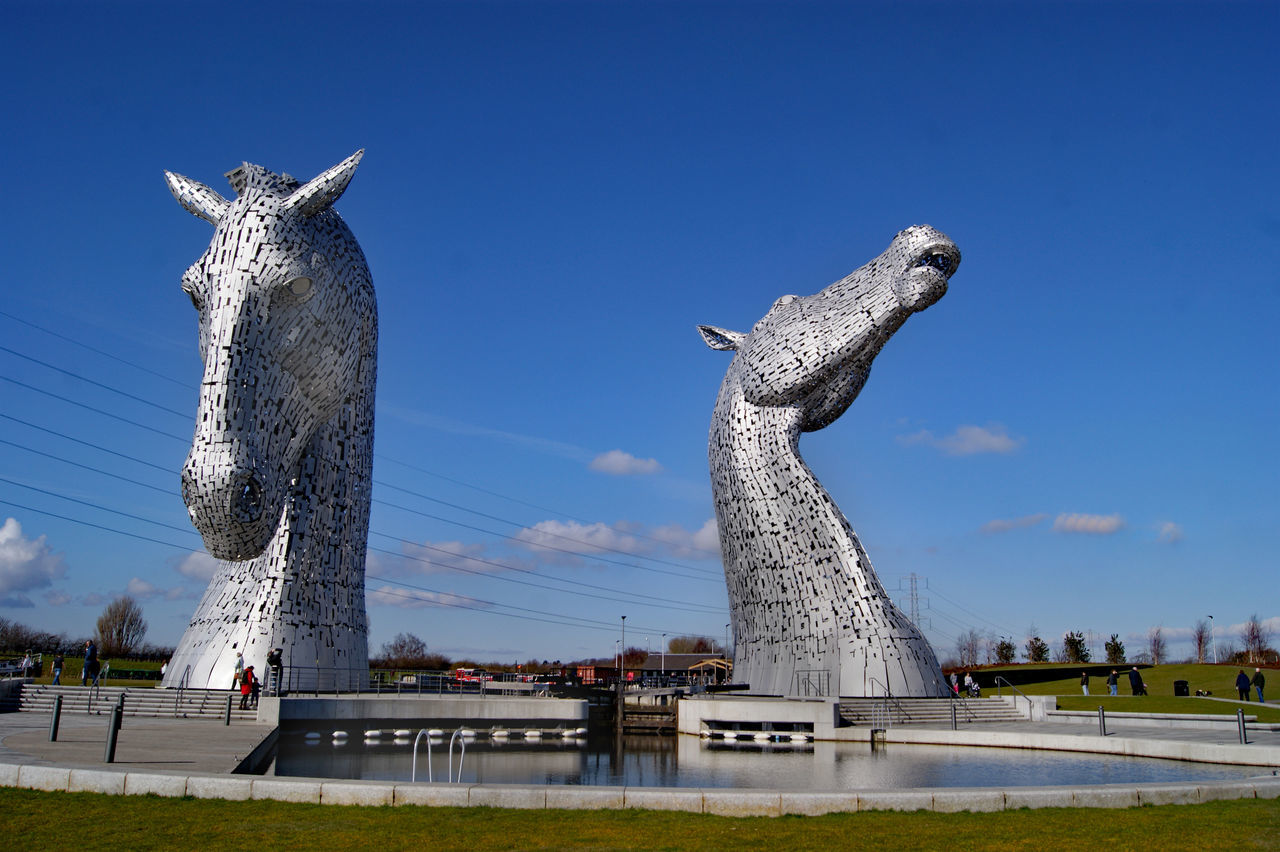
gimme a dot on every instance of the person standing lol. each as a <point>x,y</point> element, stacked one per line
<point>1113,683</point>
<point>26,663</point>
<point>1135,681</point>
<point>1242,685</point>
<point>58,660</point>
<point>1257,683</point>
<point>275,665</point>
<point>239,675</point>
<point>1084,682</point>
<point>90,662</point>
<point>955,684</point>
<point>246,687</point>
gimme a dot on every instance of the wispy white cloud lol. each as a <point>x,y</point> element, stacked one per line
<point>57,597</point>
<point>1000,525</point>
<point>417,599</point>
<point>143,590</point>
<point>579,538</point>
<point>435,557</point>
<point>619,463</point>
<point>967,440</point>
<point>197,566</point>
<point>1170,532</point>
<point>458,427</point>
<point>26,564</point>
<point>1088,524</point>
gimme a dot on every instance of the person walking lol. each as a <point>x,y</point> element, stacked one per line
<point>1257,683</point>
<point>1242,685</point>
<point>58,660</point>
<point>90,662</point>
<point>1084,682</point>
<point>1135,681</point>
<point>1113,683</point>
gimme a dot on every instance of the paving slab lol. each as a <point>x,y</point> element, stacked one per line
<point>663,798</point>
<point>235,788</point>
<point>96,781</point>
<point>143,783</point>
<point>742,802</point>
<point>433,795</point>
<point>287,790</point>
<point>356,793</point>
<point>584,798</point>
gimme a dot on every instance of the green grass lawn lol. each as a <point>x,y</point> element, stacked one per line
<point>86,821</point>
<point>1220,680</point>
<point>1161,704</point>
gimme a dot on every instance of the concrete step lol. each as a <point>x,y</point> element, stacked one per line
<point>926,711</point>
<point>144,701</point>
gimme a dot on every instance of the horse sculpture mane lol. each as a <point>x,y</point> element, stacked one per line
<point>279,476</point>
<point>809,614</point>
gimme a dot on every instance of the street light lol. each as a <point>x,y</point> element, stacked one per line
<point>622,657</point>
<point>1214,637</point>
<point>664,655</point>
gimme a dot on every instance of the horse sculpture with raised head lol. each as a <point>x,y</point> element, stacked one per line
<point>809,614</point>
<point>279,475</point>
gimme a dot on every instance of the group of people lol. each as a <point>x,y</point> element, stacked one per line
<point>1113,682</point>
<point>971,687</point>
<point>249,684</point>
<point>1243,683</point>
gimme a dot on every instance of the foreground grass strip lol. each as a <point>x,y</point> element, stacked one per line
<point>87,821</point>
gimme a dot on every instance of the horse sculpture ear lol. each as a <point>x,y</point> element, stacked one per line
<point>319,193</point>
<point>197,198</point>
<point>720,338</point>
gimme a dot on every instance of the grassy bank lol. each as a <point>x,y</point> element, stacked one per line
<point>1220,679</point>
<point>88,821</point>
<point>1161,704</point>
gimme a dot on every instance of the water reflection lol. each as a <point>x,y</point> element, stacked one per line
<point>690,762</point>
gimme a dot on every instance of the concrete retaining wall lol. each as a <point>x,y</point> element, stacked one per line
<point>472,710</point>
<point>711,801</point>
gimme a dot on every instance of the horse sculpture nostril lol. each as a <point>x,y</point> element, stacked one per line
<point>246,500</point>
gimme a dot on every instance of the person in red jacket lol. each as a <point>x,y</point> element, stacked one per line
<point>246,687</point>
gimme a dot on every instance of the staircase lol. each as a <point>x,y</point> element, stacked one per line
<point>929,711</point>
<point>138,701</point>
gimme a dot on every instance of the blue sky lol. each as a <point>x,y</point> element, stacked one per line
<point>1080,435</point>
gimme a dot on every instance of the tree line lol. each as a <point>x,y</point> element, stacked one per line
<point>407,651</point>
<point>975,648</point>
<point>120,631</point>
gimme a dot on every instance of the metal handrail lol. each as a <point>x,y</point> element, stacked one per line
<point>413,776</point>
<point>963,703</point>
<point>182,685</point>
<point>1015,689</point>
<point>457,735</point>
<point>883,707</point>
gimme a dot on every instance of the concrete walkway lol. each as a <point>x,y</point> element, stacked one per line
<point>191,757</point>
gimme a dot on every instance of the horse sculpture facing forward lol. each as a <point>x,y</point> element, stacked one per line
<point>279,474</point>
<point>809,614</point>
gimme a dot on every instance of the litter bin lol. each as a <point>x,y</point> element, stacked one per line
<point>1180,688</point>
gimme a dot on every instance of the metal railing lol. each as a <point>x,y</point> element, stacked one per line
<point>1016,691</point>
<point>882,710</point>
<point>812,683</point>
<point>183,683</point>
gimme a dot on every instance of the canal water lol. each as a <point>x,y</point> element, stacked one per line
<point>691,762</point>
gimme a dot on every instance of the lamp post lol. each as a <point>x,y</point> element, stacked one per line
<point>664,655</point>
<point>1213,636</point>
<point>622,659</point>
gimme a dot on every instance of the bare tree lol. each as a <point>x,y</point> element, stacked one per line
<point>1156,645</point>
<point>1201,638</point>
<point>1255,637</point>
<point>691,645</point>
<point>968,646</point>
<point>121,627</point>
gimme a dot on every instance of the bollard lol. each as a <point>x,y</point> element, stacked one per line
<point>1102,721</point>
<point>113,729</point>
<point>57,717</point>
<point>953,715</point>
<point>1240,720</point>
<point>120,707</point>
<point>226,719</point>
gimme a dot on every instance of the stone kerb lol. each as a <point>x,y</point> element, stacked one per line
<point>720,801</point>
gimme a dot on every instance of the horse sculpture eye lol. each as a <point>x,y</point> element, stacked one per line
<point>300,286</point>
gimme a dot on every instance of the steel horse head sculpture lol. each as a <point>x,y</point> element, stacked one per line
<point>279,475</point>
<point>809,614</point>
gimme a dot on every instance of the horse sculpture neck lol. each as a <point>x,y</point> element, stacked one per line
<point>809,614</point>
<point>278,478</point>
